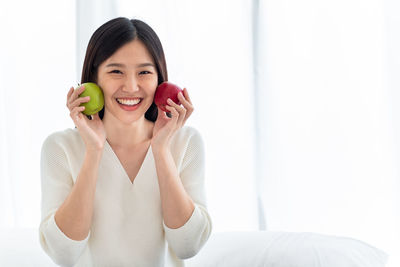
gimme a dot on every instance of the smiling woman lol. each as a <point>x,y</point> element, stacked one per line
<point>122,187</point>
<point>128,85</point>
<point>118,34</point>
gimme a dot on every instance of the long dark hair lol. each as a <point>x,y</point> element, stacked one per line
<point>112,35</point>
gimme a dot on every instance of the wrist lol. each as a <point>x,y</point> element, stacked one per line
<point>159,150</point>
<point>159,147</point>
<point>94,152</point>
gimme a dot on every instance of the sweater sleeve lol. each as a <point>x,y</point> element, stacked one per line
<point>187,240</point>
<point>56,184</point>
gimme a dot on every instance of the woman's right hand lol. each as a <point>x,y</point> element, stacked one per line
<point>92,131</point>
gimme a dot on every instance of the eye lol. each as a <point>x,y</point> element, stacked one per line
<point>145,72</point>
<point>115,71</point>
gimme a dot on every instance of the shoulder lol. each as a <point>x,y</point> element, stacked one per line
<point>186,135</point>
<point>187,141</point>
<point>188,149</point>
<point>64,138</point>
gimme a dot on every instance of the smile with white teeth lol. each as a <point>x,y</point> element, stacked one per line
<point>129,102</point>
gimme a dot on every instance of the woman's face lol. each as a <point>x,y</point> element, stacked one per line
<point>128,79</point>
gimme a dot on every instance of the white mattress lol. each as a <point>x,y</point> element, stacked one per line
<point>285,249</point>
<point>20,247</point>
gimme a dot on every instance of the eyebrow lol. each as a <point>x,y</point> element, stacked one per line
<point>123,66</point>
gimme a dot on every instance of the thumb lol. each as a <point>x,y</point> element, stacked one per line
<point>165,114</point>
<point>96,117</point>
<point>161,114</point>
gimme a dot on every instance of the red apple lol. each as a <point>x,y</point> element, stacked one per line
<point>163,92</point>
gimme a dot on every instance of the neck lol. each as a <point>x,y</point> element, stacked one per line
<point>121,135</point>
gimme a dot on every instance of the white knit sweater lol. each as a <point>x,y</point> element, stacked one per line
<point>127,226</point>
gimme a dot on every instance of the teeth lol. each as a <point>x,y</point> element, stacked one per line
<point>129,102</point>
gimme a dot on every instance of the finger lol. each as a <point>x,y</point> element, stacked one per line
<point>188,113</point>
<point>186,95</point>
<point>76,93</point>
<point>96,117</point>
<point>188,105</point>
<point>76,110</point>
<point>75,114</point>
<point>79,101</point>
<point>181,110</point>
<point>183,100</point>
<point>174,113</point>
<point>71,90</point>
<point>160,113</point>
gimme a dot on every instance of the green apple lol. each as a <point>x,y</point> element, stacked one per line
<point>96,102</point>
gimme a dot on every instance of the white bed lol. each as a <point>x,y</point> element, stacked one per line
<point>285,249</point>
<point>20,247</point>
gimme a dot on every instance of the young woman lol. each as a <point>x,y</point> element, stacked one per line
<point>128,182</point>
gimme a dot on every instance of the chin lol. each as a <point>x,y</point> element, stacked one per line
<point>128,120</point>
<point>125,117</point>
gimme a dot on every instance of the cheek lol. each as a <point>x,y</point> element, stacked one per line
<point>108,93</point>
<point>108,87</point>
<point>151,84</point>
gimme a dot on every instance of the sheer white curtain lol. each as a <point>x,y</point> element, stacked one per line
<point>327,123</point>
<point>90,14</point>
<point>41,41</point>
<point>37,66</point>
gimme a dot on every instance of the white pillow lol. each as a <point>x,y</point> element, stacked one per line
<point>285,249</point>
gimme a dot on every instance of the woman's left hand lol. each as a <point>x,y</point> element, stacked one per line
<point>166,127</point>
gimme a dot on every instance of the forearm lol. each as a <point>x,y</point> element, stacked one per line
<point>74,216</point>
<point>177,206</point>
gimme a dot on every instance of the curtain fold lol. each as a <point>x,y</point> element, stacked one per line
<point>90,15</point>
<point>38,57</point>
<point>392,85</point>
<point>328,132</point>
<point>259,109</point>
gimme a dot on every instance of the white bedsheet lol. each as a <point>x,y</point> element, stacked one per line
<point>286,249</point>
<point>20,247</point>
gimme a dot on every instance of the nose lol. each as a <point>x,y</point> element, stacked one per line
<point>131,85</point>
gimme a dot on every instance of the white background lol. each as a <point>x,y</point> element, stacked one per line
<point>296,102</point>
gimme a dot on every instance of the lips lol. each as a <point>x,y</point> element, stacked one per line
<point>129,101</point>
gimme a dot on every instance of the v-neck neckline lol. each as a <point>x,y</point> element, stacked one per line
<point>121,167</point>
